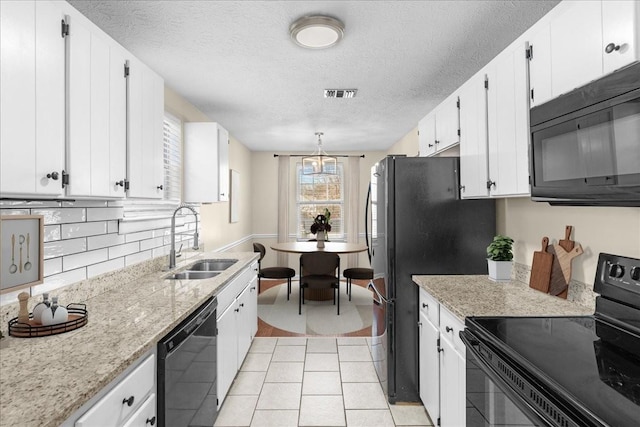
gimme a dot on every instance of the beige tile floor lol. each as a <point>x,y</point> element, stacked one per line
<point>312,382</point>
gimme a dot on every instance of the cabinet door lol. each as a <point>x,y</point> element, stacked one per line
<point>97,112</point>
<point>201,177</point>
<point>145,139</point>
<point>620,21</point>
<point>508,125</point>
<point>540,65</point>
<point>245,325</point>
<point>145,416</point>
<point>474,162</point>
<point>452,398</point>
<point>252,310</point>
<point>447,123</point>
<point>32,67</point>
<point>427,134</point>
<point>429,367</point>
<point>227,361</point>
<point>576,37</point>
<point>223,164</point>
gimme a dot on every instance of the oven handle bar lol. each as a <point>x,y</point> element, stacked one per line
<point>472,344</point>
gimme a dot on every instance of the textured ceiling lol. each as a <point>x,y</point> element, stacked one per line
<point>234,60</point>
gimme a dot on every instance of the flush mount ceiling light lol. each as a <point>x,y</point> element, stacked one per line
<point>316,32</point>
<point>319,163</point>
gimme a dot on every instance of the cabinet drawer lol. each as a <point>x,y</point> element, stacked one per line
<point>234,288</point>
<point>450,328</point>
<point>146,415</point>
<point>114,408</point>
<point>430,307</point>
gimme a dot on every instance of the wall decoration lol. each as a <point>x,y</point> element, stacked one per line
<point>235,196</point>
<point>21,241</point>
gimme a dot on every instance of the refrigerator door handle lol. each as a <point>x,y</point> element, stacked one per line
<point>366,223</point>
<point>380,298</point>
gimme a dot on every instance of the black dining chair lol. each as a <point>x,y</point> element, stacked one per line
<point>319,270</point>
<point>272,272</point>
<point>358,274</point>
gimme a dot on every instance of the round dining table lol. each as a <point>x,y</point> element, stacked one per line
<point>312,246</point>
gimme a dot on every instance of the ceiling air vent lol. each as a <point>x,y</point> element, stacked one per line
<point>340,93</point>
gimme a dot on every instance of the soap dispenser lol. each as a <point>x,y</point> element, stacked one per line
<point>41,307</point>
<point>54,314</point>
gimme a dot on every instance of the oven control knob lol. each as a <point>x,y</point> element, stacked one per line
<point>616,270</point>
<point>635,273</point>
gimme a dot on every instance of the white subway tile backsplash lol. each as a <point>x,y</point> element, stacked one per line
<point>104,240</point>
<point>84,204</point>
<point>51,233</point>
<point>112,226</point>
<point>70,231</point>
<point>161,251</point>
<point>141,235</point>
<point>101,214</point>
<point>151,243</point>
<point>105,267</point>
<point>52,266</point>
<point>138,257</point>
<point>123,250</point>
<point>29,204</point>
<point>59,280</point>
<point>61,216</point>
<point>64,247</point>
<point>161,232</point>
<point>9,297</point>
<point>126,227</point>
<point>83,259</point>
<point>15,212</point>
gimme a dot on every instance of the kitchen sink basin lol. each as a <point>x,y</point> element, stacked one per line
<point>213,265</point>
<point>191,275</point>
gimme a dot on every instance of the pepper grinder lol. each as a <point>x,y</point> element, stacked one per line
<point>23,313</point>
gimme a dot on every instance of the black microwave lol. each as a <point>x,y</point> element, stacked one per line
<point>585,145</point>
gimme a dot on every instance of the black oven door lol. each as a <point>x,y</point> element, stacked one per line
<point>502,393</point>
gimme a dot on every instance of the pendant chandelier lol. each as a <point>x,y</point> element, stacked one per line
<point>319,163</point>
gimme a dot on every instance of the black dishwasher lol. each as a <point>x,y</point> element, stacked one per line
<point>187,371</point>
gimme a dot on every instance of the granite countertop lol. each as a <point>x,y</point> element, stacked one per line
<point>45,380</point>
<point>466,296</point>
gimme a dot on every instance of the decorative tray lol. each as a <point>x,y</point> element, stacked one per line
<point>78,317</point>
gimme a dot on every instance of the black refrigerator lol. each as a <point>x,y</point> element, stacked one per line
<point>417,224</point>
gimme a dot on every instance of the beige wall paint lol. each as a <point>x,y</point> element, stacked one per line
<point>407,145</point>
<point>265,197</point>
<point>218,232</point>
<point>597,229</point>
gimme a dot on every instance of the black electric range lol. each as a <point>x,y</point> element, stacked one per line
<point>561,371</point>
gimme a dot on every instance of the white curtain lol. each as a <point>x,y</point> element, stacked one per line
<point>353,207</point>
<point>283,206</point>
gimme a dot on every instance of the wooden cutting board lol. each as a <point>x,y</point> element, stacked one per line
<point>561,269</point>
<point>541,268</point>
<point>566,243</point>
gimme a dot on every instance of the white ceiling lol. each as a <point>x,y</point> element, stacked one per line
<point>234,60</point>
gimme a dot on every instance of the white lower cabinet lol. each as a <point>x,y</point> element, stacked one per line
<point>442,364</point>
<point>237,325</point>
<point>127,399</point>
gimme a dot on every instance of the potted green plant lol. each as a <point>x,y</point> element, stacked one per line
<point>499,258</point>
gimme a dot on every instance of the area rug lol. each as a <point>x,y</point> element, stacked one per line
<point>318,317</point>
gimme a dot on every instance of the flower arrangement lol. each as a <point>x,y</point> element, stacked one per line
<point>322,222</point>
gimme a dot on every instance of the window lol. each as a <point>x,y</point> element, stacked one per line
<point>172,157</point>
<point>314,194</point>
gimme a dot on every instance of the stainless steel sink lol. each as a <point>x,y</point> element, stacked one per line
<point>213,265</point>
<point>191,275</point>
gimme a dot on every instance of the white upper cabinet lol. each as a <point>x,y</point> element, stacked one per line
<point>206,163</point>
<point>32,78</point>
<point>145,138</point>
<point>581,41</point>
<point>427,134</point>
<point>508,123</point>
<point>96,121</point>
<point>473,138</point>
<point>439,129</point>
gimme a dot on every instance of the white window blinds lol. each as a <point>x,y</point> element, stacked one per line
<point>172,131</point>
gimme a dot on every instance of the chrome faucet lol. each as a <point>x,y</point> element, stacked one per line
<point>172,253</point>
